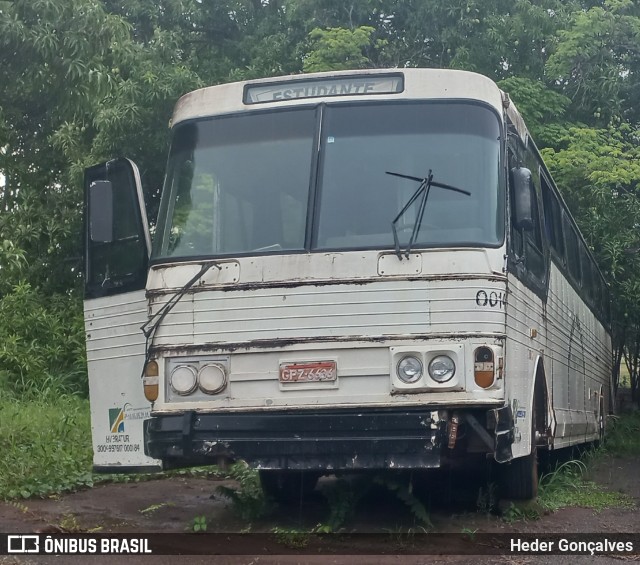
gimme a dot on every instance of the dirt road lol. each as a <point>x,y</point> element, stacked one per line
<point>176,504</point>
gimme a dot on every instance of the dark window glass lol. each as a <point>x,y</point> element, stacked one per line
<point>552,218</point>
<point>237,184</point>
<point>118,265</point>
<point>573,250</point>
<point>527,245</point>
<point>534,257</point>
<point>516,235</point>
<point>458,143</point>
<point>597,288</point>
<point>587,274</point>
<point>241,184</point>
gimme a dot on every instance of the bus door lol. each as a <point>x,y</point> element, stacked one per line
<point>116,256</point>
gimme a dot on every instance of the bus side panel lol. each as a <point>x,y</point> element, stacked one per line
<point>579,357</point>
<point>115,356</point>
<point>576,355</point>
<point>525,342</point>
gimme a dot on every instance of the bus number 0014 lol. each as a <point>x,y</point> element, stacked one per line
<point>492,298</point>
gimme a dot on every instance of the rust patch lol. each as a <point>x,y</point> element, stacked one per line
<point>207,348</point>
<point>249,286</point>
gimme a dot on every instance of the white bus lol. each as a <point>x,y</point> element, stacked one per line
<point>350,271</point>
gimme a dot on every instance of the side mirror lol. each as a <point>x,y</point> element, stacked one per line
<point>522,198</point>
<point>101,211</point>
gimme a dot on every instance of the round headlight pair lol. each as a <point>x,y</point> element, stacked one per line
<point>211,379</point>
<point>441,369</point>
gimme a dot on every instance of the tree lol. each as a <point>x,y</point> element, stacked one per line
<point>597,61</point>
<point>52,67</point>
<point>337,49</point>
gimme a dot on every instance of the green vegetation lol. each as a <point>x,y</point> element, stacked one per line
<point>623,435</point>
<point>199,524</point>
<point>42,345</point>
<point>404,491</point>
<point>521,512</point>
<point>567,486</point>
<point>342,496</point>
<point>149,510</point>
<point>248,500</point>
<point>292,538</point>
<point>46,446</point>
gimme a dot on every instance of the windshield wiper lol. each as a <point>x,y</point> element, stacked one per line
<point>422,192</point>
<point>149,328</point>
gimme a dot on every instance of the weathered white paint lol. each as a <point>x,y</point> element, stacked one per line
<point>115,356</point>
<point>361,323</point>
<point>575,351</point>
<point>443,84</point>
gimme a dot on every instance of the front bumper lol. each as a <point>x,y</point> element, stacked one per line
<point>322,440</point>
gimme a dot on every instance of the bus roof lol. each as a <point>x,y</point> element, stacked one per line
<point>356,85</point>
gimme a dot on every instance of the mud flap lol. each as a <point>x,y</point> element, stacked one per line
<point>503,426</point>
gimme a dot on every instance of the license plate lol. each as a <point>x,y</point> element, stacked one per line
<point>312,372</point>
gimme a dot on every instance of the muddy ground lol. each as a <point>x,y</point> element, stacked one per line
<point>457,503</point>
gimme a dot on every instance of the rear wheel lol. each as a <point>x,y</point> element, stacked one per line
<point>602,421</point>
<point>288,486</point>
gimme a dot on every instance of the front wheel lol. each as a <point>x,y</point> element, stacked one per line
<point>520,476</point>
<point>288,486</point>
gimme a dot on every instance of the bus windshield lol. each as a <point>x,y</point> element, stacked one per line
<point>243,184</point>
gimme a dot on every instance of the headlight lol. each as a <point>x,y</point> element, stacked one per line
<point>442,368</point>
<point>409,369</point>
<point>183,379</point>
<point>212,378</point>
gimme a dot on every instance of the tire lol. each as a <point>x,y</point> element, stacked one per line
<point>288,487</point>
<point>520,476</point>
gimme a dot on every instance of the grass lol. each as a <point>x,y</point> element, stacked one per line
<point>623,435</point>
<point>567,486</point>
<point>46,446</point>
<point>47,449</point>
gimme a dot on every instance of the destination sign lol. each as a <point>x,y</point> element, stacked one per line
<point>317,88</point>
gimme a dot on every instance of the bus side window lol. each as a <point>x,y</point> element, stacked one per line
<point>606,304</point>
<point>597,288</point>
<point>534,256</point>
<point>516,235</point>
<point>552,218</point>
<point>573,250</point>
<point>588,290</point>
